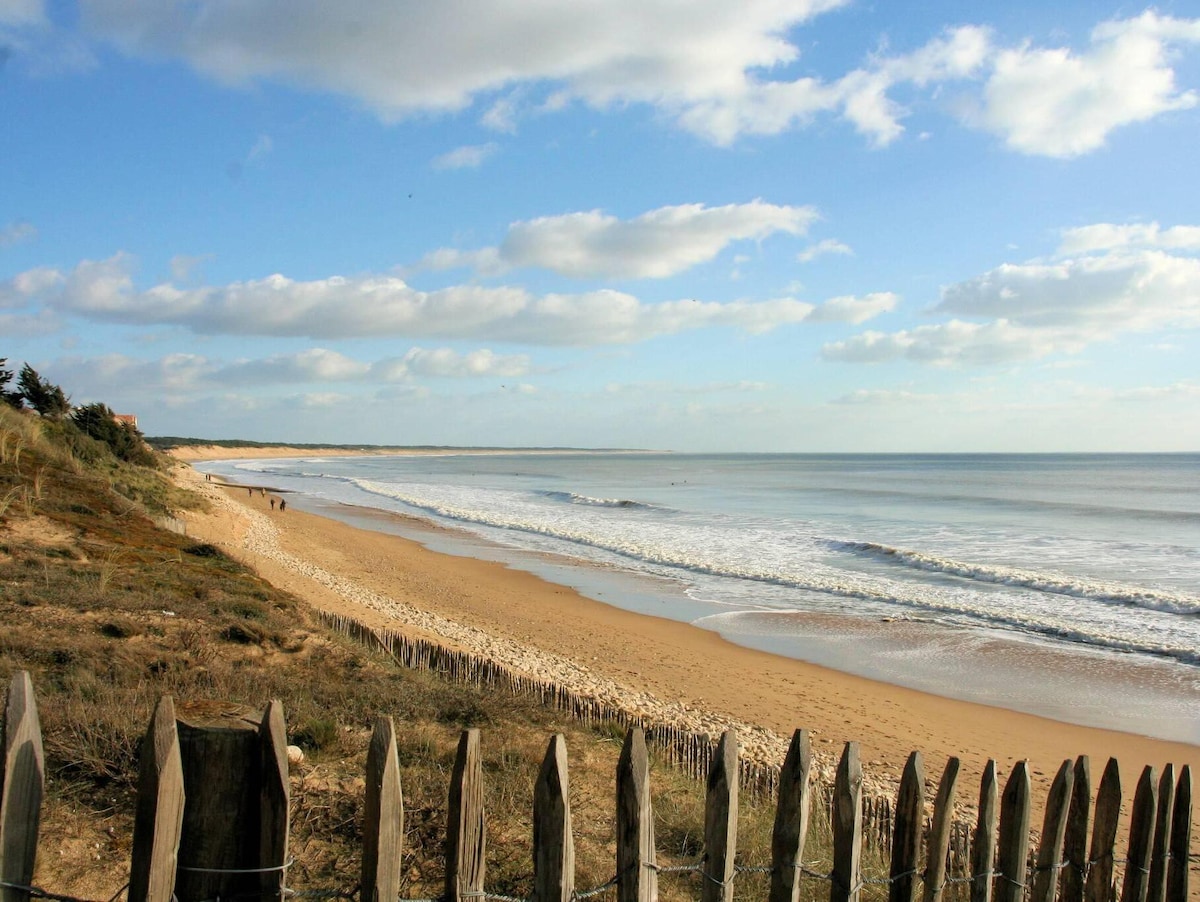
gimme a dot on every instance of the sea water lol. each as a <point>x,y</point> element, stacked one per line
<point>1063,585</point>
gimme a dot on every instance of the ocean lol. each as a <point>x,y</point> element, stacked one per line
<point>1061,585</point>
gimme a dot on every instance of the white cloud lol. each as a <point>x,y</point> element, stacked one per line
<point>823,247</point>
<point>656,244</point>
<point>1031,310</point>
<point>1062,104</point>
<point>373,306</point>
<point>445,362</point>
<point>16,232</point>
<point>952,343</point>
<point>1098,295</point>
<point>1105,236</point>
<point>468,157</point>
<point>855,310</point>
<point>883,398</point>
<point>260,149</point>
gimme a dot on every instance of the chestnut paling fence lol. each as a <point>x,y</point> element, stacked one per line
<point>212,820</point>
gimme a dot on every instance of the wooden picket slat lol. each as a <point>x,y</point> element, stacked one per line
<point>637,879</point>
<point>910,824</point>
<point>1181,838</point>
<point>845,883</point>
<point>983,844</point>
<point>1054,831</point>
<point>383,817</point>
<point>1075,849</point>
<point>939,832</point>
<point>553,842</point>
<point>791,820</point>
<point>466,838</point>
<point>158,817</point>
<point>1012,856</point>
<point>1141,837</point>
<point>274,801</point>
<point>1163,822</point>
<point>1104,834</point>
<point>720,822</point>
<point>22,784</point>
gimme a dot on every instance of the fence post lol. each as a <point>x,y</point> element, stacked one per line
<point>720,822</point>
<point>1141,837</point>
<point>791,820</point>
<point>909,827</point>
<point>466,838</point>
<point>23,782</point>
<point>1012,859</point>
<point>637,878</point>
<point>1075,851</point>
<point>1104,834</point>
<point>383,817</point>
<point>1054,830</point>
<point>1160,857</point>
<point>553,844</point>
<point>158,819</point>
<point>232,803</point>
<point>847,819</point>
<point>1181,838</point>
<point>983,845</point>
<point>275,802</point>
<point>939,833</point>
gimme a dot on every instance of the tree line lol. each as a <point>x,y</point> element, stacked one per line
<point>95,421</point>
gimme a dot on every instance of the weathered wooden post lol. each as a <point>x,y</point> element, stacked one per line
<point>235,816</point>
<point>939,833</point>
<point>1012,858</point>
<point>791,820</point>
<point>383,817</point>
<point>553,843</point>
<point>983,845</point>
<point>1181,838</point>
<point>466,838</point>
<point>1075,850</point>
<point>1104,834</point>
<point>910,825</point>
<point>846,883</point>
<point>720,822</point>
<point>1054,831</point>
<point>1141,837</point>
<point>158,820</point>
<point>22,784</point>
<point>637,877</point>
<point>1160,857</point>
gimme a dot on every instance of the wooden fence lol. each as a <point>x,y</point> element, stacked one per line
<point>212,820</point>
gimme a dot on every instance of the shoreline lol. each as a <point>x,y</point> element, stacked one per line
<point>688,672</point>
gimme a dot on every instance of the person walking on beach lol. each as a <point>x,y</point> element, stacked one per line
<point>272,504</point>
<point>282,505</point>
<point>250,492</point>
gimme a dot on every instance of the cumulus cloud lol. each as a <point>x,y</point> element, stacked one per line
<point>1058,103</point>
<point>1106,236</point>
<point>373,306</point>
<point>713,75</point>
<point>657,244</point>
<point>1120,282</point>
<point>854,310</point>
<point>468,157</point>
<point>951,343</point>
<point>823,247</point>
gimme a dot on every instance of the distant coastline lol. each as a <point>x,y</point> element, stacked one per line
<point>226,449</point>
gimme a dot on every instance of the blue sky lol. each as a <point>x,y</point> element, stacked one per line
<point>816,225</point>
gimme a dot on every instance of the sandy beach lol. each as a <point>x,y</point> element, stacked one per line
<point>514,616</point>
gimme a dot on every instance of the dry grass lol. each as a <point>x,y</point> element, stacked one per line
<point>108,613</point>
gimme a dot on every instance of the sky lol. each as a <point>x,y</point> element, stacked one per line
<point>771,225</point>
